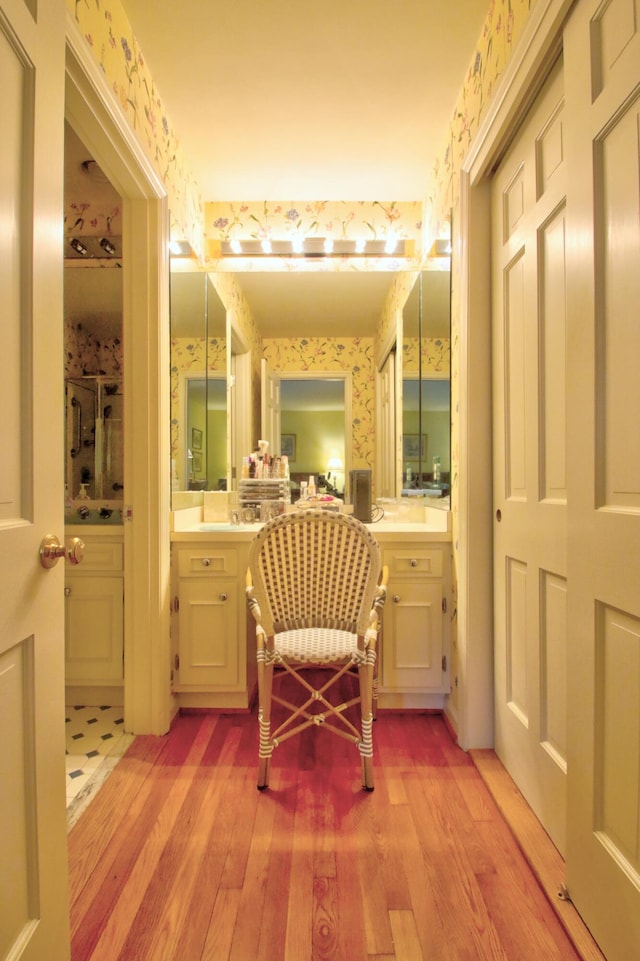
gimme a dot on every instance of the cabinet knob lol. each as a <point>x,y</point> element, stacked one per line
<point>206,561</point>
<point>396,598</point>
<point>224,596</point>
<point>67,592</point>
<point>413,562</point>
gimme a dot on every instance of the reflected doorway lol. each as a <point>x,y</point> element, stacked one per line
<point>314,413</point>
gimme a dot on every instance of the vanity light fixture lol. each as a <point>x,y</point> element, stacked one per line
<point>107,246</point>
<point>78,246</point>
<point>316,247</point>
<point>441,247</point>
<point>390,243</point>
<point>180,248</point>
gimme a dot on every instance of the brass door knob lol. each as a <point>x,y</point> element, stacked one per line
<point>51,550</point>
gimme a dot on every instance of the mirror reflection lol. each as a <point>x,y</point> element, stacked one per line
<point>203,429</point>
<point>426,404</point>
<point>198,384</point>
<point>94,397</point>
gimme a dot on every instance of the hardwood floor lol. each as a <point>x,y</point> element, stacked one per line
<point>180,858</point>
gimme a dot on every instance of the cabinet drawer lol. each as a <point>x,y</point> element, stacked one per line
<point>425,563</point>
<point>100,556</point>
<point>210,562</point>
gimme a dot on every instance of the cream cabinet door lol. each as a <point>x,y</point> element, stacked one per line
<point>208,647</point>
<point>94,629</point>
<point>34,920</point>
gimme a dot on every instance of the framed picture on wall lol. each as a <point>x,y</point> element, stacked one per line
<point>196,438</point>
<point>288,445</point>
<point>414,446</point>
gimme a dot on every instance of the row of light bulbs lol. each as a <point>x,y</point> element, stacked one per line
<point>314,246</point>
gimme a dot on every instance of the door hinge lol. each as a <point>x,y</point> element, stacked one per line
<point>563,893</point>
<point>176,662</point>
<point>175,605</point>
<point>444,663</point>
<point>444,605</point>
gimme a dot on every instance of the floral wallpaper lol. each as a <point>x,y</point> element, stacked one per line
<point>435,355</point>
<point>108,33</point>
<point>332,353</point>
<point>88,219</point>
<point>371,220</point>
<point>87,353</point>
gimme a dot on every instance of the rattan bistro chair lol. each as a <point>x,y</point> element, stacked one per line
<point>315,586</point>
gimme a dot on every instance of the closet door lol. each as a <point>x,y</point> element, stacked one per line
<point>602,58</point>
<point>530,485</point>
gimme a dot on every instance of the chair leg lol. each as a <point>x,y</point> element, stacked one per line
<point>265,749</point>
<point>365,672</point>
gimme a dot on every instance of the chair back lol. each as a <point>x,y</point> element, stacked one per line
<point>314,568</point>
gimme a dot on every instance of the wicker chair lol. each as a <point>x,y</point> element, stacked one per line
<point>315,587</point>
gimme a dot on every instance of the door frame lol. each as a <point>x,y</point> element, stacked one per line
<point>535,53</point>
<point>94,113</point>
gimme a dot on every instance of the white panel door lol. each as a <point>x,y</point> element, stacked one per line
<point>602,59</point>
<point>33,878</point>
<point>530,486</point>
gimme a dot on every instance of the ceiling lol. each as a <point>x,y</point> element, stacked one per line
<point>339,100</point>
<point>292,101</point>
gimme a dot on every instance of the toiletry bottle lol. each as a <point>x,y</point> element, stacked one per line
<point>311,489</point>
<point>409,475</point>
<point>68,501</point>
<point>436,470</point>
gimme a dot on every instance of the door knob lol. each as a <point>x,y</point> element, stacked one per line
<point>51,549</point>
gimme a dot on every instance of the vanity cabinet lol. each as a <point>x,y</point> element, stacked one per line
<point>209,626</point>
<point>213,634</point>
<point>413,668</point>
<point>94,619</point>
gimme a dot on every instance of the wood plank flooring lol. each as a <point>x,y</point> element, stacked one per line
<point>180,858</point>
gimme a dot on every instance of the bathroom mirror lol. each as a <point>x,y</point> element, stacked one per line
<point>198,383</point>
<point>426,386</point>
<point>94,400</point>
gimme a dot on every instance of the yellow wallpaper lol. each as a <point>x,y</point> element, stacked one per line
<point>108,33</point>
<point>371,220</point>
<point>332,353</point>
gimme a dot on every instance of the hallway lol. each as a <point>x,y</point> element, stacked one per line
<point>180,858</point>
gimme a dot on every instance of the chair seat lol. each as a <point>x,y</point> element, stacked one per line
<point>317,645</point>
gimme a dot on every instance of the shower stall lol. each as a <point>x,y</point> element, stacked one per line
<point>94,438</point>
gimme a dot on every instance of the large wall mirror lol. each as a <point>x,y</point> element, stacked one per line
<point>198,384</point>
<point>426,387</point>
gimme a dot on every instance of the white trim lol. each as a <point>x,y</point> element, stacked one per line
<point>95,115</point>
<point>536,51</point>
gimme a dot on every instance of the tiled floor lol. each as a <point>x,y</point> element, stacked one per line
<point>95,742</point>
